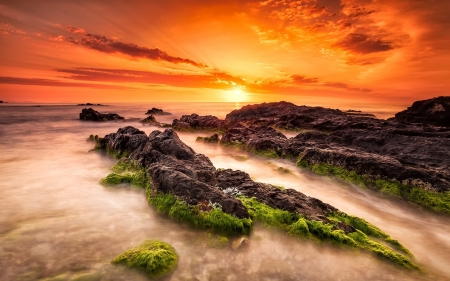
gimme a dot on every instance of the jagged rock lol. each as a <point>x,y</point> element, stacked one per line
<point>157,111</point>
<point>175,168</point>
<point>196,122</point>
<point>435,111</point>
<point>211,139</point>
<point>149,120</point>
<point>90,114</point>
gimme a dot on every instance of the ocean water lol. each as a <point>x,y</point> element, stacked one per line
<point>58,223</point>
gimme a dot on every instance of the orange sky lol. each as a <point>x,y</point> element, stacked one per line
<point>374,51</point>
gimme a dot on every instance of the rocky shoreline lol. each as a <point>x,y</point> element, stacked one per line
<point>186,186</point>
<point>407,160</point>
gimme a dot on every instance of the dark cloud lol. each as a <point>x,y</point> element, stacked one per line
<point>297,79</point>
<point>363,44</point>
<point>212,80</point>
<point>107,45</point>
<point>345,86</point>
<point>54,83</point>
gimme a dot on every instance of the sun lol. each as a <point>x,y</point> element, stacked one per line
<point>238,92</point>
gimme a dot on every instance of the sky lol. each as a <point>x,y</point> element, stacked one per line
<point>310,51</point>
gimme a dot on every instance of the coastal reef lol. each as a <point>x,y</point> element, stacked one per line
<point>187,187</point>
<point>395,157</point>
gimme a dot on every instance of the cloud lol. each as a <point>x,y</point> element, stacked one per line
<point>363,44</point>
<point>346,87</point>
<point>54,83</point>
<point>297,79</point>
<point>8,29</point>
<point>213,80</point>
<point>107,45</point>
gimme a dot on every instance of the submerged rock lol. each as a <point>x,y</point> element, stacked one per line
<point>211,139</point>
<point>157,111</point>
<point>196,122</point>
<point>149,120</point>
<point>90,104</point>
<point>435,111</point>
<point>90,114</point>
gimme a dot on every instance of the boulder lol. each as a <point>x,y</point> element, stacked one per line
<point>89,114</point>
<point>435,111</point>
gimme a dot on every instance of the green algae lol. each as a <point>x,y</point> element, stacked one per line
<point>206,139</point>
<point>439,202</point>
<point>215,241</point>
<point>240,157</point>
<point>298,226</point>
<point>214,219</point>
<point>126,172</point>
<point>155,258</point>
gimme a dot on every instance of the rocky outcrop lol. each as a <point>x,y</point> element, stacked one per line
<point>196,122</point>
<point>157,111</point>
<point>90,104</point>
<point>175,168</point>
<point>90,114</point>
<point>434,111</point>
<point>259,138</point>
<point>149,120</point>
<point>211,139</point>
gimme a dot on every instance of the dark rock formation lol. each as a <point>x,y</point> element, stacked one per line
<point>211,139</point>
<point>1,101</point>
<point>414,155</point>
<point>157,111</point>
<point>175,168</point>
<point>90,104</point>
<point>255,137</point>
<point>149,120</point>
<point>289,200</point>
<point>90,114</point>
<point>434,111</point>
<point>196,122</point>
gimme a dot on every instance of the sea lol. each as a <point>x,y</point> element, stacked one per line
<point>57,222</point>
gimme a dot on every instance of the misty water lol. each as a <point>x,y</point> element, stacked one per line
<point>56,220</point>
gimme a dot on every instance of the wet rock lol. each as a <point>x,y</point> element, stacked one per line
<point>157,111</point>
<point>289,199</point>
<point>434,111</point>
<point>175,168</point>
<point>149,120</point>
<point>90,114</point>
<point>211,139</point>
<point>240,243</point>
<point>90,104</point>
<point>196,122</point>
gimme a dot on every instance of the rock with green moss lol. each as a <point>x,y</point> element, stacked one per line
<point>155,258</point>
<point>187,187</point>
<point>211,139</point>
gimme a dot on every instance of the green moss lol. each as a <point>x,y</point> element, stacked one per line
<point>269,153</point>
<point>298,226</point>
<point>155,258</point>
<point>279,169</point>
<point>126,172</point>
<point>368,229</point>
<point>207,140</point>
<point>241,157</point>
<point>211,240</point>
<point>115,154</point>
<point>365,242</point>
<point>278,186</point>
<point>92,138</point>
<point>439,202</point>
<point>214,219</point>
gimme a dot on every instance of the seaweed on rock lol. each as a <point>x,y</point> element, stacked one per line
<point>155,258</point>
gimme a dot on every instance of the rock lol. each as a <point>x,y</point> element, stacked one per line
<point>196,122</point>
<point>157,111</point>
<point>90,114</point>
<point>240,243</point>
<point>149,120</point>
<point>435,111</point>
<point>90,104</point>
<point>175,168</point>
<point>212,139</point>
